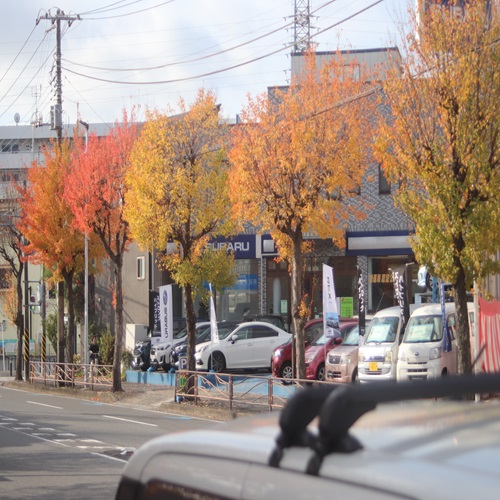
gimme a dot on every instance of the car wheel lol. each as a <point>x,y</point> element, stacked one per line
<point>286,370</point>
<point>165,366</point>
<point>320,374</point>
<point>217,362</point>
<point>355,378</point>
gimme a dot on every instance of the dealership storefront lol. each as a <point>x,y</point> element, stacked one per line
<point>263,282</point>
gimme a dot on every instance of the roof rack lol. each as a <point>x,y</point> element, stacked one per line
<point>339,407</point>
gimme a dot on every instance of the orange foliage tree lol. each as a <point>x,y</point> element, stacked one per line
<point>441,144</point>
<point>95,191</point>
<point>47,223</point>
<point>178,194</point>
<point>295,162</point>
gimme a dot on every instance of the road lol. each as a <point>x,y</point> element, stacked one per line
<point>67,448</point>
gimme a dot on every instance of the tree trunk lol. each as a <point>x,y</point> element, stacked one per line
<point>297,320</point>
<point>20,324</point>
<point>61,343</point>
<point>463,329</point>
<point>70,343</point>
<point>191,333</point>
<point>119,331</point>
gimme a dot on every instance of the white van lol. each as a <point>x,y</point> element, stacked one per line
<point>378,355</point>
<point>425,352</point>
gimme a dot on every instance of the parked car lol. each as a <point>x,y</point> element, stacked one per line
<point>282,356</point>
<point>378,356</point>
<point>425,351</point>
<point>204,336</point>
<point>249,345</point>
<point>341,364</point>
<point>160,354</point>
<point>319,348</point>
<point>319,447</point>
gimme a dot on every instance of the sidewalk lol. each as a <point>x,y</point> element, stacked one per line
<point>143,396</point>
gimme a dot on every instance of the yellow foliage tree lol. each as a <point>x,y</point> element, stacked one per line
<point>177,194</point>
<point>297,160</point>
<point>442,145</point>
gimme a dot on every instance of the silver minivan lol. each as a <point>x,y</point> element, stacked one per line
<point>378,356</point>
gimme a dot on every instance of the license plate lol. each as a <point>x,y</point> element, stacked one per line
<point>373,366</point>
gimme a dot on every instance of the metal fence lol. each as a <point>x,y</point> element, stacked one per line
<point>237,390</point>
<point>93,377</point>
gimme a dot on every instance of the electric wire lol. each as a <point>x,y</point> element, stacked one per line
<point>188,61</point>
<point>234,66</point>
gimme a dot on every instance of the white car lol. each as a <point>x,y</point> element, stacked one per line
<point>160,353</point>
<point>361,441</point>
<point>249,345</point>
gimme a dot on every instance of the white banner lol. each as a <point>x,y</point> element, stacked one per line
<point>214,332</point>
<point>330,310</point>
<point>166,319</point>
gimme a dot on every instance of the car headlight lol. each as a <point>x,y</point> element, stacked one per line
<point>388,357</point>
<point>402,356</point>
<point>310,359</point>
<point>435,353</point>
<point>361,359</point>
<point>199,350</point>
<point>344,360</point>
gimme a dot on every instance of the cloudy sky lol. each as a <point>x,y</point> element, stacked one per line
<point>151,52</point>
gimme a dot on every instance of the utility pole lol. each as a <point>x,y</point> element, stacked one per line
<point>56,124</point>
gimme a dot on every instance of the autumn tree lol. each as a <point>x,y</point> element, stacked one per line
<point>177,193</point>
<point>12,254</point>
<point>95,192</point>
<point>296,161</point>
<point>53,241</point>
<point>442,145</point>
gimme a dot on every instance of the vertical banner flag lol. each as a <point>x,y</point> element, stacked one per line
<point>361,304</point>
<point>166,319</point>
<point>330,310</point>
<point>399,280</point>
<point>154,311</point>
<point>214,332</point>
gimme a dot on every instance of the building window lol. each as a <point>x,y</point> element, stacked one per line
<point>384,186</point>
<point>141,268</point>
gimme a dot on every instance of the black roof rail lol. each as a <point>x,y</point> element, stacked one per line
<point>339,407</point>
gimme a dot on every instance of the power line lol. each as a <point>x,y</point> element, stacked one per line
<point>222,70</point>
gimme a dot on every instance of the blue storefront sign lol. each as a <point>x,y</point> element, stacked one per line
<point>243,245</point>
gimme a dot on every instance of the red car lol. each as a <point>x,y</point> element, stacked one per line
<point>316,352</point>
<point>282,356</point>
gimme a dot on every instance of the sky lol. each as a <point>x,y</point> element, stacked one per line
<point>148,54</point>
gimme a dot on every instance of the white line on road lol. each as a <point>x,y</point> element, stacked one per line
<point>41,404</point>
<point>131,421</point>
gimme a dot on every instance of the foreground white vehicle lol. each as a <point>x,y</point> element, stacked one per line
<point>420,450</point>
<point>249,345</point>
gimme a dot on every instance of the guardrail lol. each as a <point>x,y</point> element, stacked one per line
<point>91,377</point>
<point>241,390</point>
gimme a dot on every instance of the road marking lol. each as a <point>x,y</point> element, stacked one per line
<point>131,421</point>
<point>42,404</point>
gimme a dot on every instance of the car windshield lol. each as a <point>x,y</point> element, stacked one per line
<point>382,329</point>
<point>424,329</point>
<point>225,330</point>
<point>323,339</point>
<point>353,337</point>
